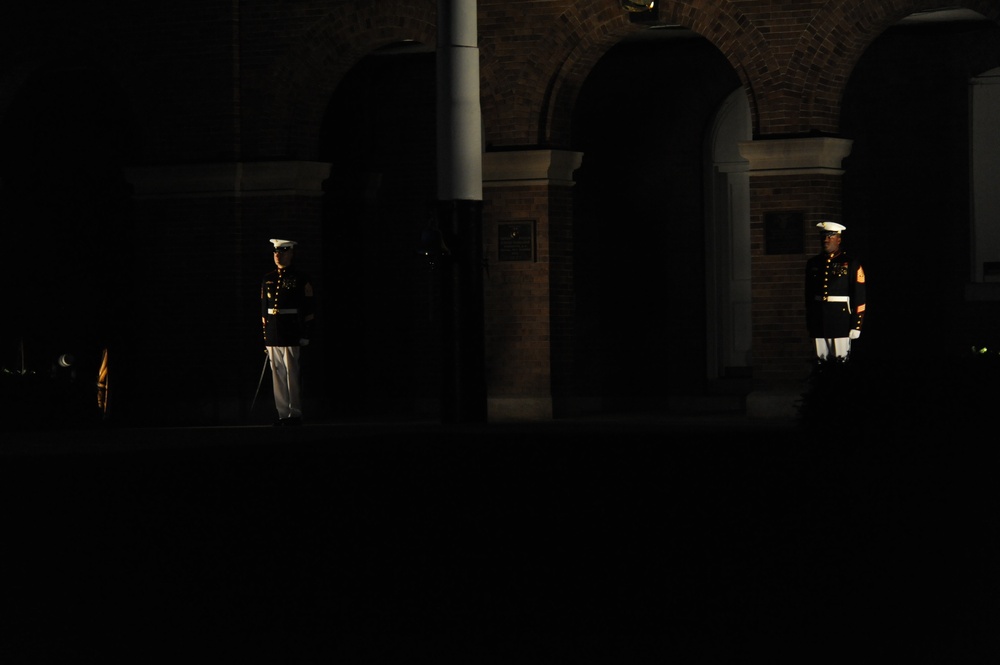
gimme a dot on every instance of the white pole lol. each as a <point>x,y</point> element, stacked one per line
<point>459,129</point>
<point>460,202</point>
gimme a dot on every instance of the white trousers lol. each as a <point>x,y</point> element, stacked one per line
<point>285,376</point>
<point>835,346</point>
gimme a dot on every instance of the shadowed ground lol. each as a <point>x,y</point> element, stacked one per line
<point>631,539</point>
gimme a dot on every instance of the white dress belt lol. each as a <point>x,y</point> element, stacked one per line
<point>292,310</point>
<point>846,299</point>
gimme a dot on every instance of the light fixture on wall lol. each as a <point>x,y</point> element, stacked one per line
<point>637,5</point>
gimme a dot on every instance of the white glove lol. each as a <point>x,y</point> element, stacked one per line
<point>303,342</point>
<point>854,334</point>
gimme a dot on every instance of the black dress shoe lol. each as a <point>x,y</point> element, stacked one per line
<point>292,422</point>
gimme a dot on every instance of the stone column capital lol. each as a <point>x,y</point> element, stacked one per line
<point>531,167</point>
<point>796,156</point>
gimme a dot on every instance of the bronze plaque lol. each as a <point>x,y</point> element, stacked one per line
<point>516,241</point>
<point>783,233</point>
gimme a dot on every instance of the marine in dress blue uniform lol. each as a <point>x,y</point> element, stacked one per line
<point>835,296</point>
<point>287,314</point>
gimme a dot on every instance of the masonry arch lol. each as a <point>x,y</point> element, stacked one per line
<point>817,76</point>
<point>307,76</point>
<point>829,52</point>
<point>517,104</point>
<point>722,24</point>
<point>640,246</point>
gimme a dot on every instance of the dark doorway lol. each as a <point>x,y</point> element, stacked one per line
<point>907,186</point>
<point>382,294</point>
<point>639,232</point>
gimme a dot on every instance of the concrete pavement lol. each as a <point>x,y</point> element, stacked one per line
<point>697,539</point>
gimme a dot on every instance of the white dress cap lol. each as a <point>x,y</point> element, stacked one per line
<point>277,242</point>
<point>832,226</point>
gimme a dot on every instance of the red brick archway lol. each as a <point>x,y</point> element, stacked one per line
<point>306,77</point>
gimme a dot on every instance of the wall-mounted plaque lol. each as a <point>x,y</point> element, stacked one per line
<point>516,241</point>
<point>783,233</point>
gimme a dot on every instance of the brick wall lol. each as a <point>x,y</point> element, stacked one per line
<point>223,82</point>
<point>518,308</point>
